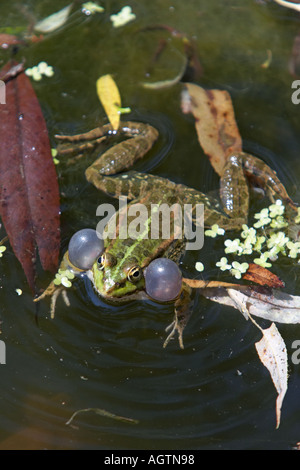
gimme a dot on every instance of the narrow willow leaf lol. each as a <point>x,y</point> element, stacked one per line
<point>29,193</point>
<point>110,98</point>
<point>272,353</point>
<point>54,21</point>
<point>292,5</point>
<point>104,413</point>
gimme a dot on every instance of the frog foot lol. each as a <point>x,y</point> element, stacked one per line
<point>54,292</point>
<point>178,326</point>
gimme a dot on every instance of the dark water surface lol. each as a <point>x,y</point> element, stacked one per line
<point>215,394</point>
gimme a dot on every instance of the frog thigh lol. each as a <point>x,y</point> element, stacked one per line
<point>132,184</point>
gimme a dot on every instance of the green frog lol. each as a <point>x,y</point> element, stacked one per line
<point>119,273</point>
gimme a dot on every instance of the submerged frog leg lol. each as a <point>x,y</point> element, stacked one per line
<point>131,184</point>
<point>119,157</point>
<point>234,191</point>
<point>231,212</point>
<point>240,170</point>
<point>67,148</point>
<point>123,155</point>
<point>258,171</point>
<point>183,310</point>
<point>214,212</point>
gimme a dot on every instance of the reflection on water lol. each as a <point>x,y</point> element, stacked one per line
<point>215,393</point>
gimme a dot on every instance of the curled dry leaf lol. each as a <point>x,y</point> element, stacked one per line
<point>168,82</point>
<point>270,304</point>
<point>216,127</point>
<point>191,68</point>
<point>272,352</point>
<point>29,191</point>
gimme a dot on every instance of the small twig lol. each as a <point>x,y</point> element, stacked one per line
<point>198,284</point>
<point>106,414</point>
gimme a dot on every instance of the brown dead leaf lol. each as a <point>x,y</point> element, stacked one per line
<point>216,127</point>
<point>262,276</point>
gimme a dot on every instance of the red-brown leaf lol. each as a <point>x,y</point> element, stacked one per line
<point>262,276</point>
<point>29,194</point>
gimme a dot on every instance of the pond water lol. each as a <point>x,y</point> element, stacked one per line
<point>214,394</point>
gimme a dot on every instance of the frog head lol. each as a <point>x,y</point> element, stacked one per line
<point>114,280</point>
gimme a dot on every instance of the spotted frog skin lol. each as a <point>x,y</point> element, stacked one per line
<point>119,274</point>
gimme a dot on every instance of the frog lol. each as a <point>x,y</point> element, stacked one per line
<point>118,275</point>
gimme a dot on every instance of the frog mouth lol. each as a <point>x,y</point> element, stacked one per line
<point>109,294</point>
<point>140,295</point>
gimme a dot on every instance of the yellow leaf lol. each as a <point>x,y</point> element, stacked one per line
<point>110,98</point>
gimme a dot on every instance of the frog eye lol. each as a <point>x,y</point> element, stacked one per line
<point>106,260</point>
<point>101,261</point>
<point>135,274</point>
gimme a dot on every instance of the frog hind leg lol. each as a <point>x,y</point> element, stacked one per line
<point>131,184</point>
<point>266,178</point>
<point>183,310</point>
<point>122,156</point>
<point>234,190</point>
